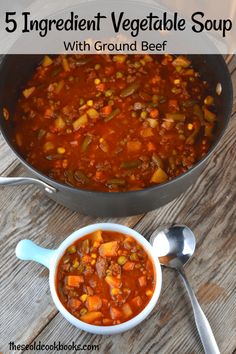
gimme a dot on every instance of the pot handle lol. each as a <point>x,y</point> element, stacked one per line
<point>14,181</point>
<point>28,251</point>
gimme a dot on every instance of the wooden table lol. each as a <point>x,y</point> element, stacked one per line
<point>27,312</point>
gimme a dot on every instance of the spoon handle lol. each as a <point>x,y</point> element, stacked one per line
<point>203,326</point>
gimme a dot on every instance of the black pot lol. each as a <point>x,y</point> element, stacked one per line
<point>15,70</point>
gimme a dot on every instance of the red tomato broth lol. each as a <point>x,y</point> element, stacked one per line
<point>105,285</point>
<point>114,123</point>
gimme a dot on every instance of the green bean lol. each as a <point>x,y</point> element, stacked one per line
<point>112,115</point>
<point>54,157</point>
<point>82,61</point>
<point>176,117</point>
<point>80,177</point>
<point>157,160</point>
<point>188,103</point>
<point>129,90</point>
<point>130,164</point>
<point>41,134</point>
<point>87,141</point>
<point>55,72</point>
<point>117,181</point>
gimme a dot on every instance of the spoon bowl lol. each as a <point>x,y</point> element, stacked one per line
<point>174,245</point>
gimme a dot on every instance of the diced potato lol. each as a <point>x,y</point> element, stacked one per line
<point>90,317</point>
<point>127,311</point>
<point>107,321</point>
<point>92,113</point>
<point>115,313</point>
<point>28,92</point>
<point>142,281</point>
<point>93,303</point>
<point>181,61</point>
<point>80,122</point>
<point>65,64</point>
<point>48,146</point>
<point>137,301</point>
<point>109,249</point>
<point>97,236</point>
<point>152,122</point>
<point>159,176</point>
<point>119,58</point>
<point>133,146</point>
<point>59,86</point>
<point>59,123</point>
<point>128,266</point>
<point>114,282</point>
<point>47,61</point>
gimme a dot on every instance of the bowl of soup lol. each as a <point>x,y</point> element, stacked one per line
<point>104,278</point>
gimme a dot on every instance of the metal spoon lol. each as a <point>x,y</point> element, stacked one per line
<point>174,246</point>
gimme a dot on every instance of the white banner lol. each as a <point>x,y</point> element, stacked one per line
<point>130,26</point>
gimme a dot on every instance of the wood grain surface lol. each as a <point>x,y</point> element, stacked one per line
<point>27,312</point>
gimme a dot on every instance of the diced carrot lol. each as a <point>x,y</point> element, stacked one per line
<point>90,317</point>
<point>93,303</point>
<point>133,146</point>
<point>106,110</point>
<point>99,175</point>
<point>146,132</point>
<point>114,282</point>
<point>151,146</point>
<point>127,311</point>
<point>75,280</point>
<point>100,87</point>
<point>137,301</point>
<point>109,249</point>
<point>154,113</point>
<point>142,281</point>
<point>75,303</point>
<point>129,266</point>
<point>48,113</point>
<point>115,313</point>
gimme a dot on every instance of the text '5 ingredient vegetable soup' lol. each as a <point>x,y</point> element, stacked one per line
<point>114,122</point>
<point>105,278</point>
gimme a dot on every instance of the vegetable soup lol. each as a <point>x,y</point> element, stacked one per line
<point>114,122</point>
<point>105,278</point>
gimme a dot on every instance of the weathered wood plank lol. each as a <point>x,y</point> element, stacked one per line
<point>7,156</point>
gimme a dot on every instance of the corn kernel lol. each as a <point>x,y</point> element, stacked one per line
<point>177,81</point>
<point>190,126</point>
<point>83,311</point>
<point>61,150</point>
<point>93,255</point>
<point>119,75</point>
<point>97,66</point>
<point>115,291</point>
<point>93,262</point>
<point>83,297</point>
<point>90,103</point>
<point>97,81</point>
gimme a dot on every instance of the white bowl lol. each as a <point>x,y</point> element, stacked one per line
<point>27,250</point>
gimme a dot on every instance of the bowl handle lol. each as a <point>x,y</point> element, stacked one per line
<point>14,181</point>
<point>29,251</point>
